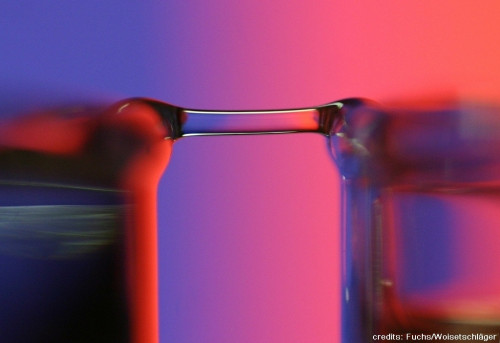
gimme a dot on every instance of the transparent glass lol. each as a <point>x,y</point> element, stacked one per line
<point>421,219</point>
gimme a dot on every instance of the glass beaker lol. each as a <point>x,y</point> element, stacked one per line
<point>421,197</point>
<point>76,241</point>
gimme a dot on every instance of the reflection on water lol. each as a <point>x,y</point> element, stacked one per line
<point>57,231</point>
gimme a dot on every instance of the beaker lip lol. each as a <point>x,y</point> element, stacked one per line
<point>445,141</point>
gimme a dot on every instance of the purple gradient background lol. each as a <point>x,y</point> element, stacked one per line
<point>248,227</point>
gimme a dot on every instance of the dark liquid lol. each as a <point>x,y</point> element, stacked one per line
<point>62,266</point>
<point>61,256</point>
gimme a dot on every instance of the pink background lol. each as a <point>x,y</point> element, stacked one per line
<point>249,227</point>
